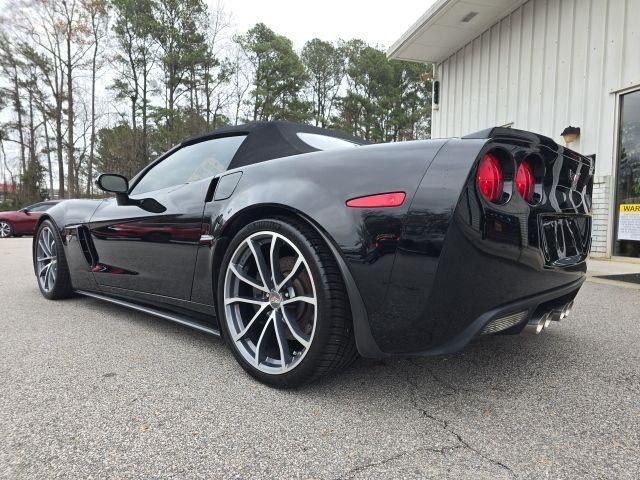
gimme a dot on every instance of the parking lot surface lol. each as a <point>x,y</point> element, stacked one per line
<point>92,390</point>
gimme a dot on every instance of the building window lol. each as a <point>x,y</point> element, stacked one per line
<point>627,233</point>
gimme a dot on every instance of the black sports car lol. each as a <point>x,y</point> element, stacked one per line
<point>303,247</point>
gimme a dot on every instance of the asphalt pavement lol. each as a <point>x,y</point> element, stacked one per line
<point>92,390</point>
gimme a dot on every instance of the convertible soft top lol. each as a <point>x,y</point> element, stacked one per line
<point>269,140</point>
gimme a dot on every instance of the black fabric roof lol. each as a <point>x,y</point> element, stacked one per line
<point>269,140</point>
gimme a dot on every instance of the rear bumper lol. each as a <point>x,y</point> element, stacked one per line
<point>529,307</point>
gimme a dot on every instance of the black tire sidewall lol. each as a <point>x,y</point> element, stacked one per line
<point>61,287</point>
<point>307,366</point>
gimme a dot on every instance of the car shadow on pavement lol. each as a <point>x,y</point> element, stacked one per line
<point>491,367</point>
<point>490,364</point>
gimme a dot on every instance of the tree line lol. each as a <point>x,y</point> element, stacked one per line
<point>90,86</point>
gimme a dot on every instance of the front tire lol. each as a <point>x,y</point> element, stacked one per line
<point>50,263</point>
<point>283,305</point>
<point>6,229</point>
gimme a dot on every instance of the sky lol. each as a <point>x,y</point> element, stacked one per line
<point>378,22</point>
<point>374,21</point>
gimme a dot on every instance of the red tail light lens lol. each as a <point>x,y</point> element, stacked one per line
<point>525,181</point>
<point>490,178</point>
<point>382,200</point>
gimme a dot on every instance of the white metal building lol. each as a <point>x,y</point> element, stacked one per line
<point>544,65</point>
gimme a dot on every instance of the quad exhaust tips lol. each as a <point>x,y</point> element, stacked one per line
<point>562,313</point>
<point>540,322</point>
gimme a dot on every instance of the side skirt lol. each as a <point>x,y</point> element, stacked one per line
<point>173,317</point>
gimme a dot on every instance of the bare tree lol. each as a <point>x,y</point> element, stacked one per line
<point>10,67</point>
<point>217,72</point>
<point>75,32</point>
<point>41,25</point>
<point>97,11</point>
<point>240,83</point>
<point>44,112</point>
<point>135,59</point>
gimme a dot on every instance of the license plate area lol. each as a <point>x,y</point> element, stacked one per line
<point>565,239</point>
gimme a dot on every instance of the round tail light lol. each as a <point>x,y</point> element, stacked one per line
<point>490,178</point>
<point>525,181</point>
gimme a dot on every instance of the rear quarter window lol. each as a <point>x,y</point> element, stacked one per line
<point>324,142</point>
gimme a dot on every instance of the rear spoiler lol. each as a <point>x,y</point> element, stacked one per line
<point>496,133</point>
<point>512,133</point>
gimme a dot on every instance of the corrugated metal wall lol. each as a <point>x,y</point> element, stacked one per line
<point>547,65</point>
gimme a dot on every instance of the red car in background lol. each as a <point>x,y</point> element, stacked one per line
<point>23,222</point>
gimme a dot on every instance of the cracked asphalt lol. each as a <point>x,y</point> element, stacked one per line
<point>91,390</point>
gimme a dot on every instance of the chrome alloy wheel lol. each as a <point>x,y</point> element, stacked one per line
<point>270,302</point>
<point>5,229</point>
<point>46,259</point>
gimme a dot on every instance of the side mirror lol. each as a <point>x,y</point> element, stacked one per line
<point>110,182</point>
<point>152,205</point>
<point>113,183</point>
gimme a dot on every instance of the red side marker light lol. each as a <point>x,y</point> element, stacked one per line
<point>382,200</point>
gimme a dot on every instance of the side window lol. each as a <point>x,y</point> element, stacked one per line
<point>191,163</point>
<point>38,207</point>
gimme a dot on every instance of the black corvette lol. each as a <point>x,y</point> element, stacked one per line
<point>303,247</point>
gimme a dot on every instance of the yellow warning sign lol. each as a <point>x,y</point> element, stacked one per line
<point>630,208</point>
<point>629,222</point>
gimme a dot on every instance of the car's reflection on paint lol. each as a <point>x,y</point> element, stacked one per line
<point>152,232</point>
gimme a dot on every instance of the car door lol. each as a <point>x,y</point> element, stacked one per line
<point>155,251</point>
<point>27,218</point>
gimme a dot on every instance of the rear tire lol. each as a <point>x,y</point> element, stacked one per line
<point>6,229</point>
<point>288,323</point>
<point>50,263</point>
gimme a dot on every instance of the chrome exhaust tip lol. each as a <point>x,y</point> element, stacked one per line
<point>567,309</point>
<point>536,325</point>
<point>562,312</point>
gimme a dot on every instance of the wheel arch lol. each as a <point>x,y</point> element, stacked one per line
<point>43,217</point>
<point>366,344</point>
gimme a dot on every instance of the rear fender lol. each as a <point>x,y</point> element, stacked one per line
<point>316,186</point>
<point>399,326</point>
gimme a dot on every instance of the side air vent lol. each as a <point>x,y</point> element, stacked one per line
<point>88,250</point>
<point>504,323</point>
